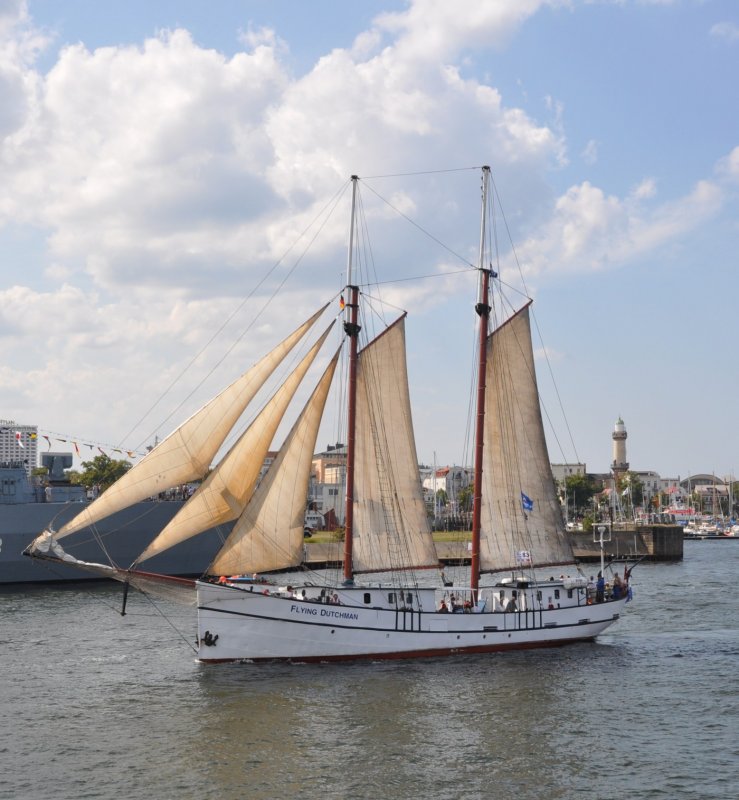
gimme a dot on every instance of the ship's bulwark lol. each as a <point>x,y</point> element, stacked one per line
<point>124,536</point>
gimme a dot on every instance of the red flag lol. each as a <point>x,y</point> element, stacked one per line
<point>18,435</point>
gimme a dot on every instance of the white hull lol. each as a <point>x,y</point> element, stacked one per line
<point>253,626</point>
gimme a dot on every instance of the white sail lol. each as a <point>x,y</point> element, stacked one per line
<point>224,494</point>
<point>187,452</point>
<point>521,516</point>
<point>391,527</point>
<point>269,534</point>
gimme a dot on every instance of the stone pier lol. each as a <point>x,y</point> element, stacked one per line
<point>650,542</point>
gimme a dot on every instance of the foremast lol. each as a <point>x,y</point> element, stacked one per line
<point>352,329</point>
<point>482,307</point>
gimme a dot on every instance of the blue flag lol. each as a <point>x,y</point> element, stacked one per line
<point>526,502</point>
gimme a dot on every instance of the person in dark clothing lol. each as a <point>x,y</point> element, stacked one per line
<point>600,588</point>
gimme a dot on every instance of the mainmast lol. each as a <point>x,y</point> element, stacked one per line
<point>351,328</point>
<point>482,307</point>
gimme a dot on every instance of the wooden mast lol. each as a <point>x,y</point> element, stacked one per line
<point>482,308</point>
<point>351,328</point>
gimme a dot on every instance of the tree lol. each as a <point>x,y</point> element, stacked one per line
<point>464,498</point>
<point>103,471</point>
<point>635,485</point>
<point>75,476</point>
<point>581,488</point>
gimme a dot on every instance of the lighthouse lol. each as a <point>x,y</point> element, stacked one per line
<point>619,463</point>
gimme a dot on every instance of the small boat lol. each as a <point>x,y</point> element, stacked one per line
<point>391,599</point>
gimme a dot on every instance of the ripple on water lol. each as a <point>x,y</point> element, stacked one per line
<point>101,705</point>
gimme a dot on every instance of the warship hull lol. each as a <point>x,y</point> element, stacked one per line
<point>133,527</point>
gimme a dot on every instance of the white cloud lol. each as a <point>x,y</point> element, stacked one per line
<point>590,152</point>
<point>157,145</point>
<point>257,37</point>
<point>729,167</point>
<point>589,230</point>
<point>437,29</point>
<point>12,13</point>
<point>165,177</point>
<point>155,165</point>
<point>726,30</point>
<point>646,189</point>
<point>548,354</point>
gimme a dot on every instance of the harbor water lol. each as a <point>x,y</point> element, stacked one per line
<point>95,705</point>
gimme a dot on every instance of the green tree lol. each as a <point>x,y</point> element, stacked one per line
<point>464,498</point>
<point>442,498</point>
<point>581,488</point>
<point>103,471</point>
<point>635,485</point>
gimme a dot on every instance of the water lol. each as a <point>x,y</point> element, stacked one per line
<point>99,706</point>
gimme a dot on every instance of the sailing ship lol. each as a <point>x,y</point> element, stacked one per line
<point>391,599</point>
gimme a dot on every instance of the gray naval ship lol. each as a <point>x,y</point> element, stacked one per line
<point>27,508</point>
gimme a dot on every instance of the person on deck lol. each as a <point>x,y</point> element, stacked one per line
<point>600,588</point>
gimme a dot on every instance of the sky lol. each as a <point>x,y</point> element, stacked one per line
<point>164,166</point>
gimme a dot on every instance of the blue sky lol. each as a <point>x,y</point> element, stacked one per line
<point>157,158</point>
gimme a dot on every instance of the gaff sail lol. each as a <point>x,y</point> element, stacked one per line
<point>520,510</point>
<point>391,526</point>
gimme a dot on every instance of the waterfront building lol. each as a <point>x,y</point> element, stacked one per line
<point>450,480</point>
<point>19,444</point>
<point>330,465</point>
<point>563,471</point>
<point>327,486</point>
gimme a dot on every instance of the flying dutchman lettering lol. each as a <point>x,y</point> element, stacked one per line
<point>325,612</point>
<point>300,609</point>
<point>330,612</point>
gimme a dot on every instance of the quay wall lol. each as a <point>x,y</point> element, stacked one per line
<point>650,542</point>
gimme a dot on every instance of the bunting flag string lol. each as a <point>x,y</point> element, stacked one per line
<point>51,438</point>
